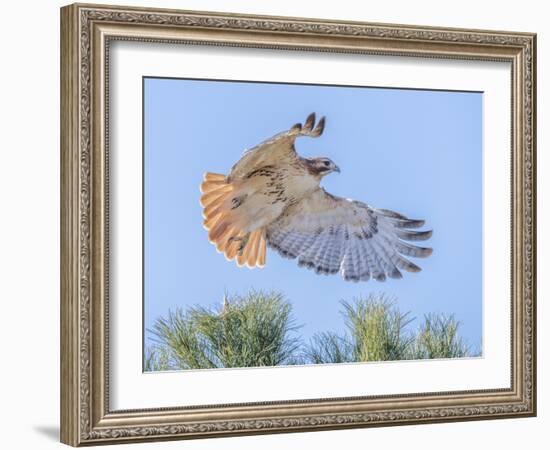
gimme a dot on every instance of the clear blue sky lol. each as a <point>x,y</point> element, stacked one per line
<point>413,151</point>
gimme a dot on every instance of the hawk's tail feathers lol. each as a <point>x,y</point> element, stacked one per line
<point>223,231</point>
<point>253,254</point>
<point>212,181</point>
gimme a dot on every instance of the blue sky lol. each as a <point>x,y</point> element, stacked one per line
<point>413,151</point>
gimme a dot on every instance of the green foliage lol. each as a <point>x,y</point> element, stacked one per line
<point>376,332</point>
<point>156,358</point>
<point>257,329</point>
<point>247,331</point>
<point>178,336</point>
<point>377,329</point>
<point>328,347</point>
<point>438,337</point>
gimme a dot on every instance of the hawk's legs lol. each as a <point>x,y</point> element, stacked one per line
<point>243,240</point>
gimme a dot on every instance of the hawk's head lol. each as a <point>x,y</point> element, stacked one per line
<point>321,166</point>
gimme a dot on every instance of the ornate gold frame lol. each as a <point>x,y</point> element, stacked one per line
<point>86,31</point>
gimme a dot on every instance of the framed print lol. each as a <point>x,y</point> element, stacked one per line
<point>275,224</point>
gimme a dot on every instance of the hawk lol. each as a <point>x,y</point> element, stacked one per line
<point>272,196</point>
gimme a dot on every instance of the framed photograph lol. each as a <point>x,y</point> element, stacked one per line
<point>276,224</point>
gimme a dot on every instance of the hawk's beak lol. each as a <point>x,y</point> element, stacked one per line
<point>336,169</point>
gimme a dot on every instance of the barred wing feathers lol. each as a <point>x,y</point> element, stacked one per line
<point>331,234</point>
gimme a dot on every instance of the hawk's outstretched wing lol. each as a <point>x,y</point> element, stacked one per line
<point>331,234</point>
<point>277,150</point>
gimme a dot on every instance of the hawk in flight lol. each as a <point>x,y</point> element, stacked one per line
<point>272,196</point>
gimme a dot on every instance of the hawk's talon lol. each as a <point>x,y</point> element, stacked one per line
<point>243,240</point>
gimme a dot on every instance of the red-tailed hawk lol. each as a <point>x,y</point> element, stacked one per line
<point>273,196</point>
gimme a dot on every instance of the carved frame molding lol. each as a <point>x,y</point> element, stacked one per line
<point>86,31</point>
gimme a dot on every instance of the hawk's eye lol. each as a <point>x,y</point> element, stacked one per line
<point>326,163</point>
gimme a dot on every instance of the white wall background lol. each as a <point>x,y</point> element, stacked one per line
<point>29,223</point>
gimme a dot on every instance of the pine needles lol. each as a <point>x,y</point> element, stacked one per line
<point>246,331</point>
<point>378,331</point>
<point>258,329</point>
<point>438,338</point>
<point>329,347</point>
<point>156,358</point>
